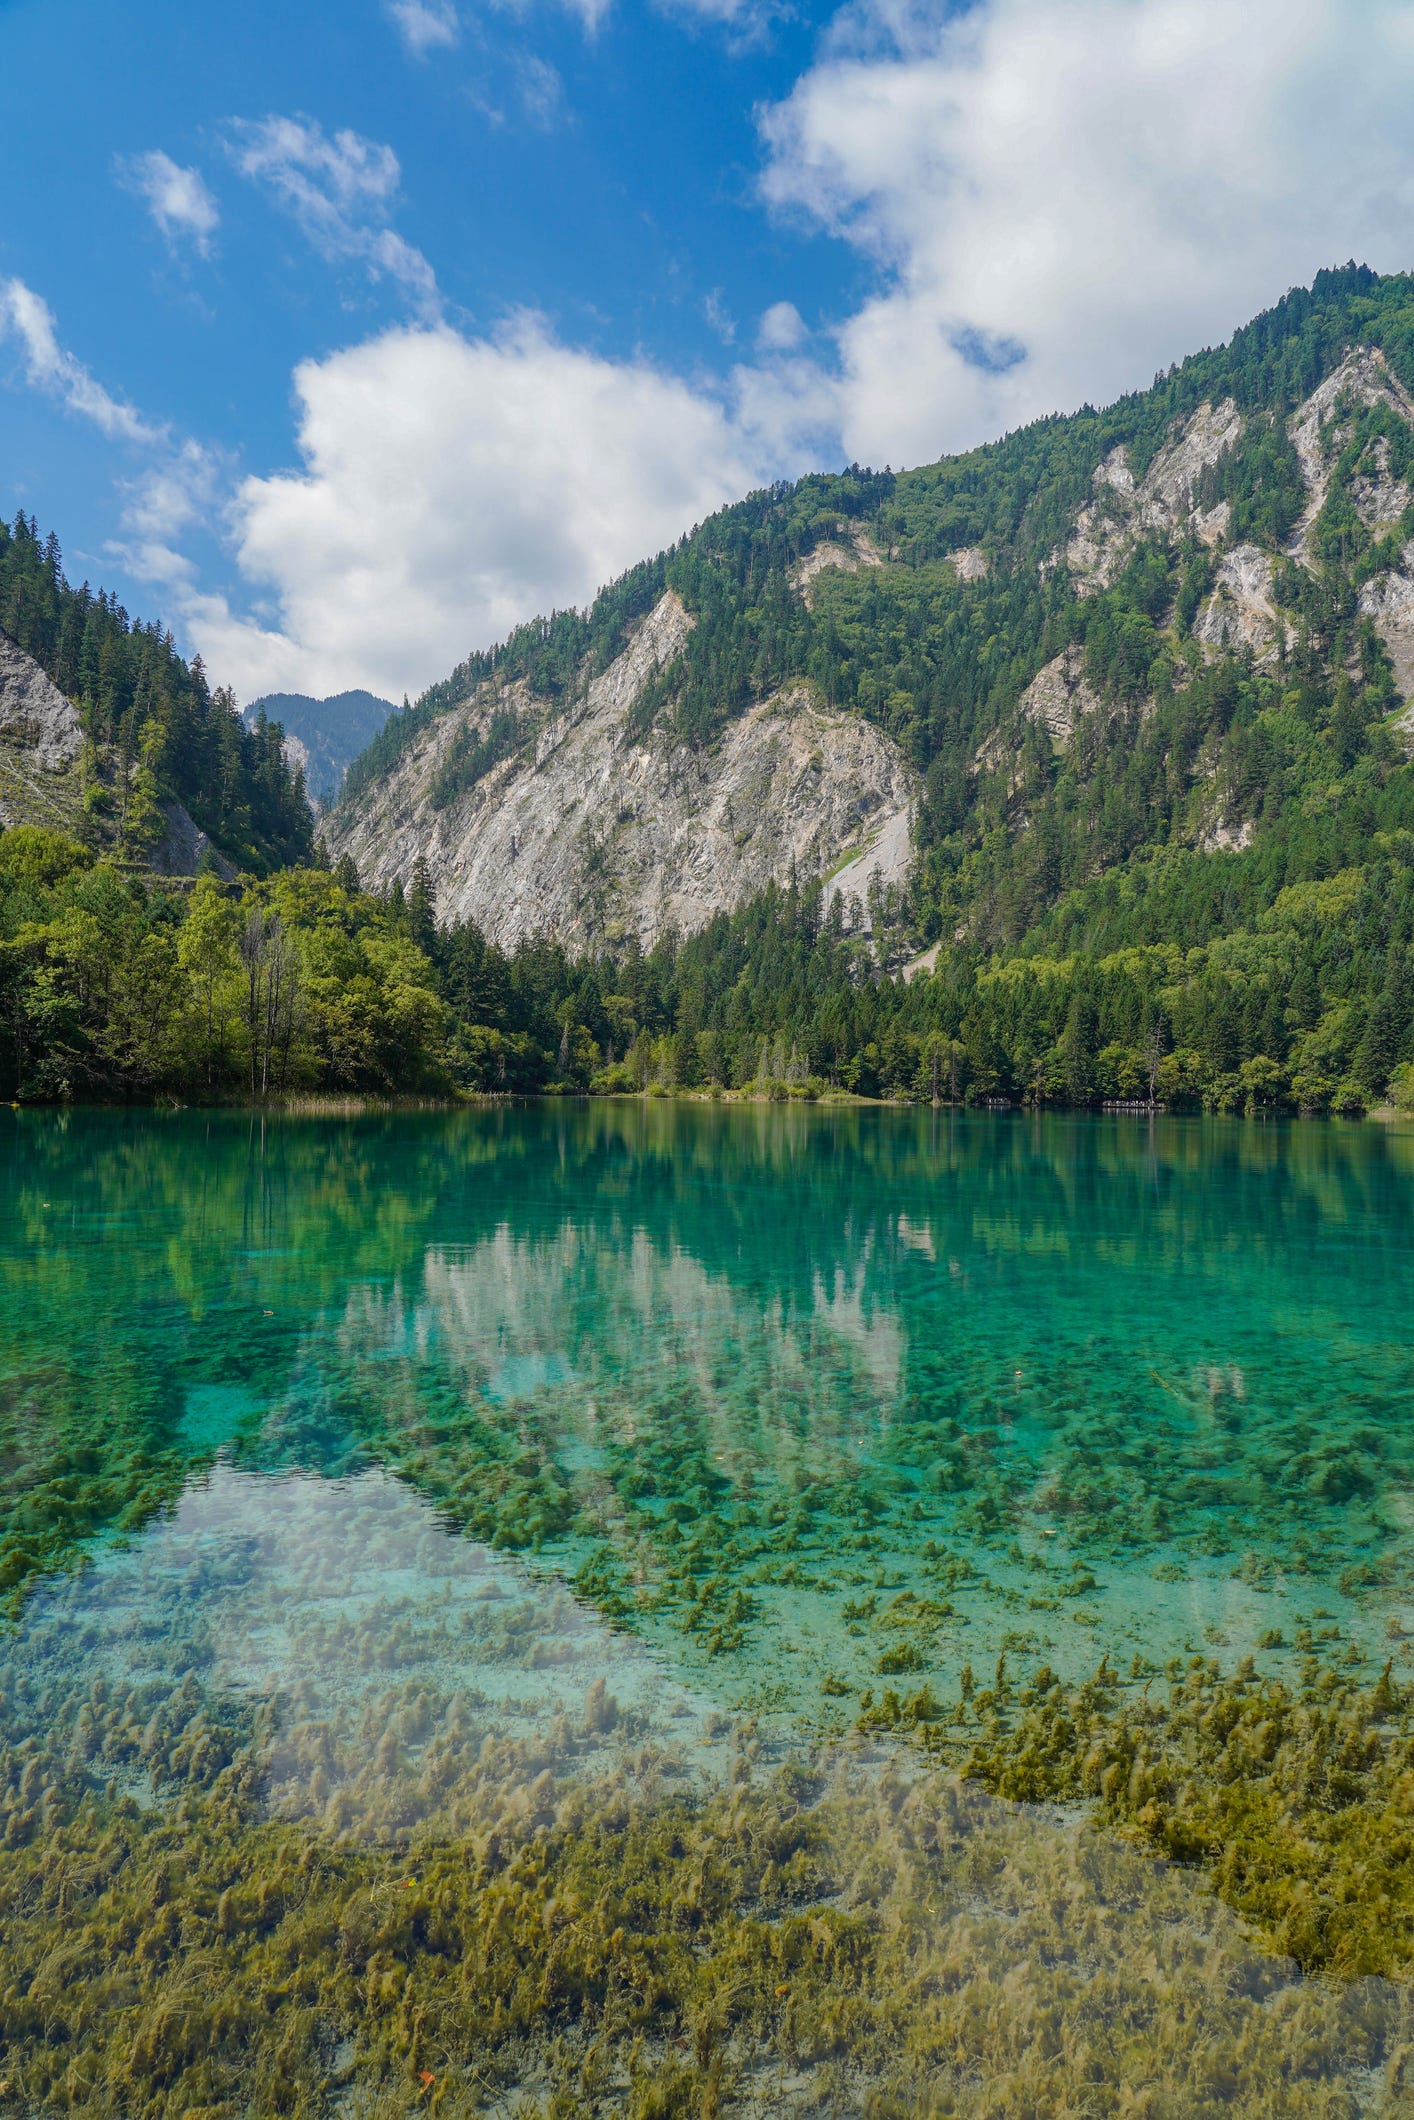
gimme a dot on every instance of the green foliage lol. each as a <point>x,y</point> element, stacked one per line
<point>935,660</point>
<point>471,756</point>
<point>1112,913</point>
<point>1199,980</point>
<point>1116,918</point>
<point>112,984</point>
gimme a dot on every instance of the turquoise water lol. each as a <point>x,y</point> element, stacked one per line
<point>648,1445</point>
<point>791,1396</point>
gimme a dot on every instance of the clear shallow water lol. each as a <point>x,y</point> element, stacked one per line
<point>458,1463</point>
<point>793,1396</point>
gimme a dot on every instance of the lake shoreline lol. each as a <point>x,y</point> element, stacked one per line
<point>357,1104</point>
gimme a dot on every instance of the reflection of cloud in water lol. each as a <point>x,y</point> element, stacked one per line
<point>526,1376</point>
<point>873,1332</point>
<point>382,1646</point>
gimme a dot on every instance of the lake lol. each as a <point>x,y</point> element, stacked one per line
<point>425,1537</point>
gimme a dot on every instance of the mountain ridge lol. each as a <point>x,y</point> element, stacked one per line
<point>1147,545</point>
<point>111,736</point>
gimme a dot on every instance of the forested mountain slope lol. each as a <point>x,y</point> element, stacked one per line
<point>586,815</point>
<point>1183,622</point>
<point>106,733</point>
<point>1119,708</point>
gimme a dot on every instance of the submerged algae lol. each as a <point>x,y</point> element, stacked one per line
<point>311,1807</point>
<point>1299,1804</point>
<point>1007,1398</point>
<point>826,1938</point>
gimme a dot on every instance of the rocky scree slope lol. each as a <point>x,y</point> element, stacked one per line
<point>1185,622</point>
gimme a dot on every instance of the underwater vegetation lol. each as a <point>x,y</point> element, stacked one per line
<point>1298,1803</point>
<point>310,1806</point>
<point>647,1612</point>
<point>832,1935</point>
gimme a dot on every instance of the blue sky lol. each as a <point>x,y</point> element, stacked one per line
<point>345,336</point>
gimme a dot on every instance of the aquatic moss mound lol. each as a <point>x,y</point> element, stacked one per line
<point>1298,1803</point>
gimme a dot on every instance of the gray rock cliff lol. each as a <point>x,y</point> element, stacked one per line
<point>594,832</point>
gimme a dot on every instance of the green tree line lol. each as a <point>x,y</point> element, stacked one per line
<point>112,984</point>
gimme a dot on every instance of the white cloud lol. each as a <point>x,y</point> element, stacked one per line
<point>746,21</point>
<point>177,198</point>
<point>1057,196</point>
<point>28,319</point>
<point>1062,195</point>
<point>781,328</point>
<point>450,489</point>
<point>424,25</point>
<point>341,191</point>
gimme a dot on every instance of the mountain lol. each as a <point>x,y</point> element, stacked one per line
<point>110,736</point>
<point>323,735</point>
<point>1114,645</point>
<point>557,813</point>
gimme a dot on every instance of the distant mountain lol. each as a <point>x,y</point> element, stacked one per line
<point>323,735</point>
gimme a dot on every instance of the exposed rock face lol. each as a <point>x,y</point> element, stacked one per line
<point>1227,838</point>
<point>1055,701</point>
<point>1240,612</point>
<point>34,714</point>
<point>1318,436</point>
<point>41,742</point>
<point>970,563</point>
<point>1389,601</point>
<point>1124,509</point>
<point>41,746</point>
<point>593,833</point>
<point>1380,498</point>
<point>1057,696</point>
<point>183,845</point>
<point>884,860</point>
<point>861,551</point>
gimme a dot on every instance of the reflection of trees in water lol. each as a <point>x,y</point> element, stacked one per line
<point>764,1279</point>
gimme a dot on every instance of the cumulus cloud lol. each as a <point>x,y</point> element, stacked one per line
<point>452,487</point>
<point>341,191</point>
<point>1062,195</point>
<point>781,329</point>
<point>27,320</point>
<point>424,25</point>
<point>176,198</point>
<point>449,489</point>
